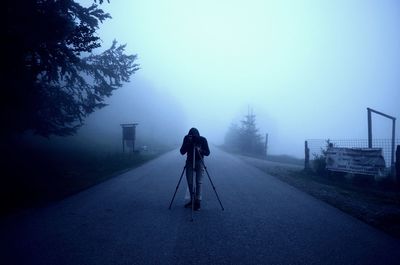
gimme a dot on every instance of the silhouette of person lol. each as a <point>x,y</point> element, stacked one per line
<point>195,144</point>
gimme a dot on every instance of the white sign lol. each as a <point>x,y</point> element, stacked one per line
<point>367,161</point>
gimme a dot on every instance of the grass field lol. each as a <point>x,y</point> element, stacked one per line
<point>33,176</point>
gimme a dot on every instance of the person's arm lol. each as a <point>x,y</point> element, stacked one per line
<point>205,151</point>
<point>184,147</point>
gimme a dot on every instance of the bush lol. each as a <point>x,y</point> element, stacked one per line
<point>319,164</point>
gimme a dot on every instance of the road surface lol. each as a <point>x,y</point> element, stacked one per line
<point>126,221</point>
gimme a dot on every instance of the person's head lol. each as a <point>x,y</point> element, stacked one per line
<point>194,132</point>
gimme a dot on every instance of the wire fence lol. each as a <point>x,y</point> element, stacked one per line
<point>317,145</point>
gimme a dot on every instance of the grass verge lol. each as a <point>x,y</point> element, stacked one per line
<point>35,176</point>
<point>377,204</point>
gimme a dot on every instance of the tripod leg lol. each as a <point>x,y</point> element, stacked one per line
<point>177,186</point>
<point>192,198</point>
<point>193,183</point>
<point>212,184</point>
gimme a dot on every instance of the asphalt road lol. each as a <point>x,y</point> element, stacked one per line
<point>126,221</point>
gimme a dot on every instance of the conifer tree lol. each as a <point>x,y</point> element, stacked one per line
<point>245,138</point>
<point>51,77</point>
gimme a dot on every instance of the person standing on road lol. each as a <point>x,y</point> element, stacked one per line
<point>194,142</point>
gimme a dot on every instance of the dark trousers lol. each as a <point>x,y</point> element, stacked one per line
<point>198,178</point>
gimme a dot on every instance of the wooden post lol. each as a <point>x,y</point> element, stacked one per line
<point>369,128</point>
<point>306,156</point>
<point>123,141</point>
<point>398,162</point>
<point>393,143</point>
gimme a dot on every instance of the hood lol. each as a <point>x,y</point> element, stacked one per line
<point>194,132</point>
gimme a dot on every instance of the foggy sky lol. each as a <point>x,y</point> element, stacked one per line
<point>308,69</point>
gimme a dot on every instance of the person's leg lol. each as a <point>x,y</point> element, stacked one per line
<point>199,182</point>
<point>189,178</point>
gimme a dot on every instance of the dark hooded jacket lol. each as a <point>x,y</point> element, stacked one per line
<point>194,139</point>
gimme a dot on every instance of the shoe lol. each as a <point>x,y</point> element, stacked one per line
<point>197,205</point>
<point>188,205</point>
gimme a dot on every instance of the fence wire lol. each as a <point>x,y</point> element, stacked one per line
<point>317,145</point>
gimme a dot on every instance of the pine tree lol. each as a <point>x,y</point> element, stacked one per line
<point>250,139</point>
<point>245,138</point>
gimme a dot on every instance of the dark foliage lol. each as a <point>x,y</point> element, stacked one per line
<point>233,137</point>
<point>245,138</point>
<point>50,79</point>
<point>319,161</point>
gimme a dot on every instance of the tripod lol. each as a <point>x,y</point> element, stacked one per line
<point>192,192</point>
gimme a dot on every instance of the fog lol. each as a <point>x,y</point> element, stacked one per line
<point>158,114</point>
<point>307,69</point>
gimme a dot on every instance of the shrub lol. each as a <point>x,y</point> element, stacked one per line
<point>319,162</point>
